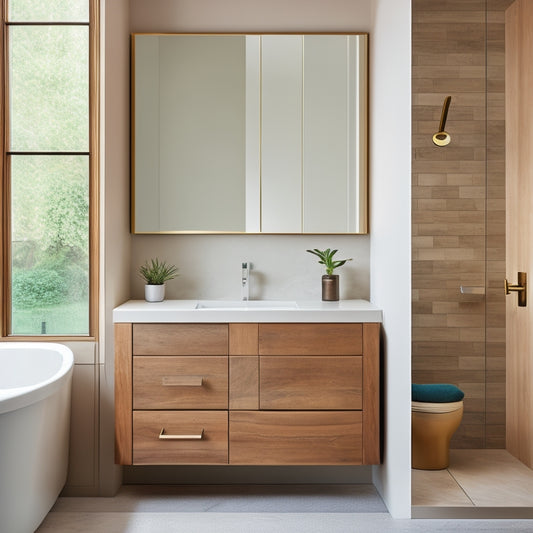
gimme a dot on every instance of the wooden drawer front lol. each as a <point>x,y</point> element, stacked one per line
<point>307,383</point>
<point>310,339</point>
<point>180,382</point>
<point>180,339</point>
<point>243,382</point>
<point>243,339</point>
<point>149,448</point>
<point>295,438</point>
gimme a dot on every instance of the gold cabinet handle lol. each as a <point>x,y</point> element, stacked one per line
<point>163,436</point>
<point>182,381</point>
<point>520,288</point>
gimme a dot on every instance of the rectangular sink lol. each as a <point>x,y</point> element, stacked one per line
<point>268,305</point>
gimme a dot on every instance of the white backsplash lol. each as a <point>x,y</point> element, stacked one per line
<point>210,265</point>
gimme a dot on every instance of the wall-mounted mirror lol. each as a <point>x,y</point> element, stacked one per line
<point>249,133</point>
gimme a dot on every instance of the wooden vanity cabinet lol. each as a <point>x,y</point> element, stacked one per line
<point>247,394</point>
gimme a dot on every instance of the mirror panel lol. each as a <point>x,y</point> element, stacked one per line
<point>281,133</point>
<point>249,133</point>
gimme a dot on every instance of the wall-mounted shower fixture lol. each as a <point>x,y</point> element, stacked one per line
<point>442,138</point>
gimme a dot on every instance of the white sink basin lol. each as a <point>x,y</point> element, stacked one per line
<point>270,305</point>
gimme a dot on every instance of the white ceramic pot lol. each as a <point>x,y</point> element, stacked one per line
<point>154,293</point>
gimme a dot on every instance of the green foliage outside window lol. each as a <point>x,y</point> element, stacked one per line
<point>49,10</point>
<point>49,111</point>
<point>50,246</point>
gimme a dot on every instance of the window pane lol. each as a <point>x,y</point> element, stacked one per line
<point>49,88</point>
<point>48,10</point>
<point>50,245</point>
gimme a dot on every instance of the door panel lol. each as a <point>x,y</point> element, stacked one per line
<point>519,224</point>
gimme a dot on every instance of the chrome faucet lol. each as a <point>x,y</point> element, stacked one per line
<point>245,280</point>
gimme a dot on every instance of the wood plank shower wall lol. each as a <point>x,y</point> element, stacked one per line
<point>459,209</point>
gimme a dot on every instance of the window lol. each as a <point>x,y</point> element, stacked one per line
<point>50,167</point>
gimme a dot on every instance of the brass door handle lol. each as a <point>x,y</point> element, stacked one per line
<point>520,288</point>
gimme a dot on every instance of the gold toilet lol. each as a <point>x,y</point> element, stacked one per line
<point>434,423</point>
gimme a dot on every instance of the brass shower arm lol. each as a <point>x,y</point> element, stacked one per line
<point>444,114</point>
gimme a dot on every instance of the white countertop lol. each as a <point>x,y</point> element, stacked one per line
<point>301,311</point>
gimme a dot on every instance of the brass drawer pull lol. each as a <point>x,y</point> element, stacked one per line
<point>162,436</point>
<point>182,381</point>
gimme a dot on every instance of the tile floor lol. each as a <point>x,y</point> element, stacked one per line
<point>490,480</point>
<point>248,509</point>
<point>233,498</point>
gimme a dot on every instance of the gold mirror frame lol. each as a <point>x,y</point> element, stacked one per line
<point>360,189</point>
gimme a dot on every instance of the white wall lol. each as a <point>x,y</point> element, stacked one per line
<point>390,237</point>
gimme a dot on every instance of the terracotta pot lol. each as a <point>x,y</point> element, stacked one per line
<point>330,288</point>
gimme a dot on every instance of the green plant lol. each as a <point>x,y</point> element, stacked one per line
<point>37,288</point>
<point>156,272</point>
<point>326,259</point>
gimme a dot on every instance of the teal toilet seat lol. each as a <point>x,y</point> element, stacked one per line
<point>436,393</point>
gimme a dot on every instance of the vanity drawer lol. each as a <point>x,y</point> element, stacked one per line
<point>180,339</point>
<point>296,437</point>
<point>193,437</point>
<point>310,339</point>
<point>307,383</point>
<point>175,382</point>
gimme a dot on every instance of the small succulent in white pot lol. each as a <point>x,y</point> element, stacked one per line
<point>155,273</point>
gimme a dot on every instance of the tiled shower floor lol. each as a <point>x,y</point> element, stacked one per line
<point>476,480</point>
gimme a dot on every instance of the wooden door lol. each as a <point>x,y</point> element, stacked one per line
<point>519,225</point>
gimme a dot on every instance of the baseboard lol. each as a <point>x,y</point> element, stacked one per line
<point>224,475</point>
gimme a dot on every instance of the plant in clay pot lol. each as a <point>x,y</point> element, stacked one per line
<point>330,281</point>
<point>155,273</point>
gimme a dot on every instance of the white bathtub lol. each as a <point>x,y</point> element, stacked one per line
<point>35,385</point>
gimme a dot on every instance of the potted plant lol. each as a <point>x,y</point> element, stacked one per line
<point>330,281</point>
<point>155,273</point>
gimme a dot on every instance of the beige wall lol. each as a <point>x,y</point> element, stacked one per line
<point>91,468</point>
<point>458,209</point>
<point>250,15</point>
<point>116,241</point>
<point>210,265</point>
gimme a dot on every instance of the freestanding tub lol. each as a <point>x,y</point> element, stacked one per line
<point>35,385</point>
